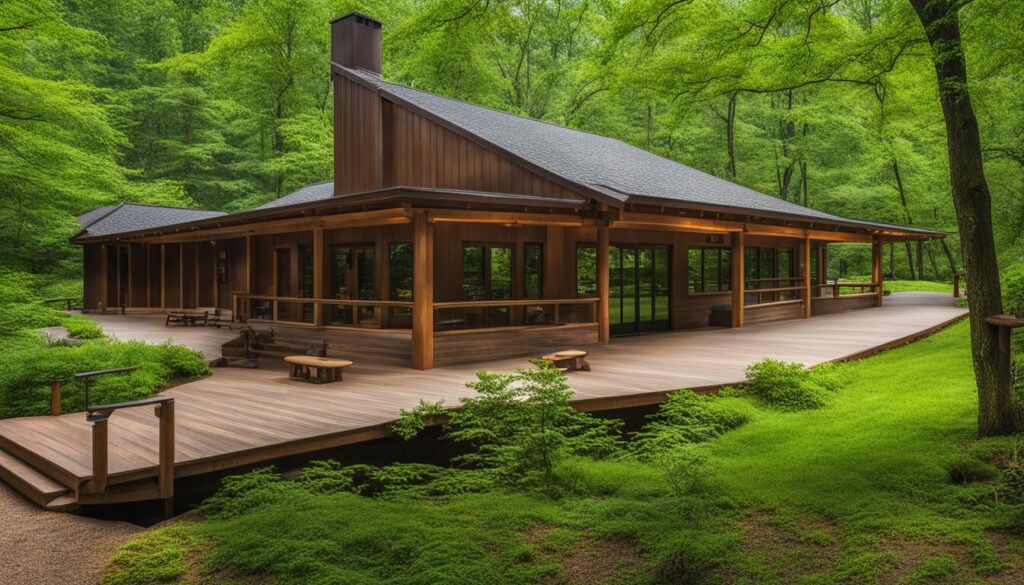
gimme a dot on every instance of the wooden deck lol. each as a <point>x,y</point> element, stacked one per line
<point>241,416</point>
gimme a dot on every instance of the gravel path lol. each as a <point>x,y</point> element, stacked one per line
<point>44,548</point>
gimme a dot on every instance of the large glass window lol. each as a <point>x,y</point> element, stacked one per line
<point>709,269</point>
<point>400,272</point>
<point>533,271</point>
<point>487,271</point>
<point>586,271</point>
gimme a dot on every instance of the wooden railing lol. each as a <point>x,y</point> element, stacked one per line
<point>397,314</point>
<point>450,315</point>
<point>837,286</point>
<point>244,304</point>
<point>99,417</point>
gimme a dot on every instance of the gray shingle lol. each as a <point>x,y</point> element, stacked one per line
<point>614,168</point>
<point>130,217</point>
<point>314,192</point>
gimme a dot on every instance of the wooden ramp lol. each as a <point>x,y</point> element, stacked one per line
<point>242,416</point>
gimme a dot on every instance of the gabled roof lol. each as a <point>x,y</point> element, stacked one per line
<point>129,217</point>
<point>618,170</point>
<point>314,192</point>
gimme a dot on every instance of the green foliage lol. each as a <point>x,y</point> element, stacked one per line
<point>683,419</point>
<point>521,425</point>
<point>153,558</point>
<point>82,327</point>
<point>35,364</point>
<point>25,385</point>
<point>411,422</point>
<point>968,469</point>
<point>790,386</point>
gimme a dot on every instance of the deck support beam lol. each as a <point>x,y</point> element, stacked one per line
<point>603,285</point>
<point>806,264</point>
<point>104,278</point>
<point>738,277</point>
<point>422,292</point>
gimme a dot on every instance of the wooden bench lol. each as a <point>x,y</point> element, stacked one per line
<point>187,318</point>
<point>570,359</point>
<point>325,369</point>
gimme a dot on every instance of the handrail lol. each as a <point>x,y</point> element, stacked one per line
<point>100,415</point>
<point>514,303</point>
<point>772,290</point>
<point>102,412</point>
<point>328,301</point>
<point>89,375</point>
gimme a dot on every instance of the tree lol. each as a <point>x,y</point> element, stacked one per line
<point>999,411</point>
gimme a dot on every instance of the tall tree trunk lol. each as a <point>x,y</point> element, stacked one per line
<point>998,410</point>
<point>920,259</point>
<point>910,261</point>
<point>931,260</point>
<point>730,135</point>
<point>949,256</point>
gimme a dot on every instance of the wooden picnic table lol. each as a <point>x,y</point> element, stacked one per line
<point>326,369</point>
<point>571,359</point>
<point>187,318</point>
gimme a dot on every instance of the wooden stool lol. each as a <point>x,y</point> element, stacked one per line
<point>325,369</point>
<point>571,359</point>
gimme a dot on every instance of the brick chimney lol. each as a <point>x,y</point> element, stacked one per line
<point>355,42</point>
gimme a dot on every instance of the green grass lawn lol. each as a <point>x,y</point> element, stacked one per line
<point>919,285</point>
<point>855,492</point>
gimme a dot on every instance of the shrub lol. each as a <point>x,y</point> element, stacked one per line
<point>520,425</point>
<point>685,468</point>
<point>82,327</point>
<point>790,386</point>
<point>25,383</point>
<point>969,470</point>
<point>685,418</point>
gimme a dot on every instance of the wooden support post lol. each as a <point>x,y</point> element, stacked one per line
<point>99,456</point>
<point>104,278</point>
<point>318,275</point>
<point>195,270</point>
<point>181,275</point>
<point>956,284</point>
<point>603,286</point>
<point>163,276</point>
<point>216,277</point>
<point>737,278</point>
<point>248,264</point>
<point>55,398</point>
<point>422,292</point>
<point>806,262</point>
<point>165,412</point>
<point>876,270</point>
<point>128,281</point>
<point>149,275</point>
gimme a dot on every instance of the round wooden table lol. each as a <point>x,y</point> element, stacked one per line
<point>573,359</point>
<point>327,369</point>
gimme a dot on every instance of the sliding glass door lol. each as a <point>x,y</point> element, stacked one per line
<point>639,299</point>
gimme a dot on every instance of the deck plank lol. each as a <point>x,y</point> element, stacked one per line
<point>243,411</point>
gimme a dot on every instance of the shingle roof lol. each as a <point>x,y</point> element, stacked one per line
<point>610,166</point>
<point>128,217</point>
<point>314,192</point>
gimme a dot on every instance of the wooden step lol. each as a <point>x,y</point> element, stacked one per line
<point>32,484</point>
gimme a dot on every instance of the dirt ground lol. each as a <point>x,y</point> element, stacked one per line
<point>44,548</point>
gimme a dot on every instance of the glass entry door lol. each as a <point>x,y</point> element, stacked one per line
<point>639,299</point>
<point>352,278</point>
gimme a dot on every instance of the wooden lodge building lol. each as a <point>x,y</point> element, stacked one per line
<point>454,233</point>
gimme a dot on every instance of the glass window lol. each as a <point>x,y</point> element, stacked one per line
<point>473,288</point>
<point>533,271</point>
<point>400,272</point>
<point>709,269</point>
<point>586,271</point>
<point>500,272</point>
<point>486,272</point>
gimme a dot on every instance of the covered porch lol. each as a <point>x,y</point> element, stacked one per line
<point>432,286</point>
